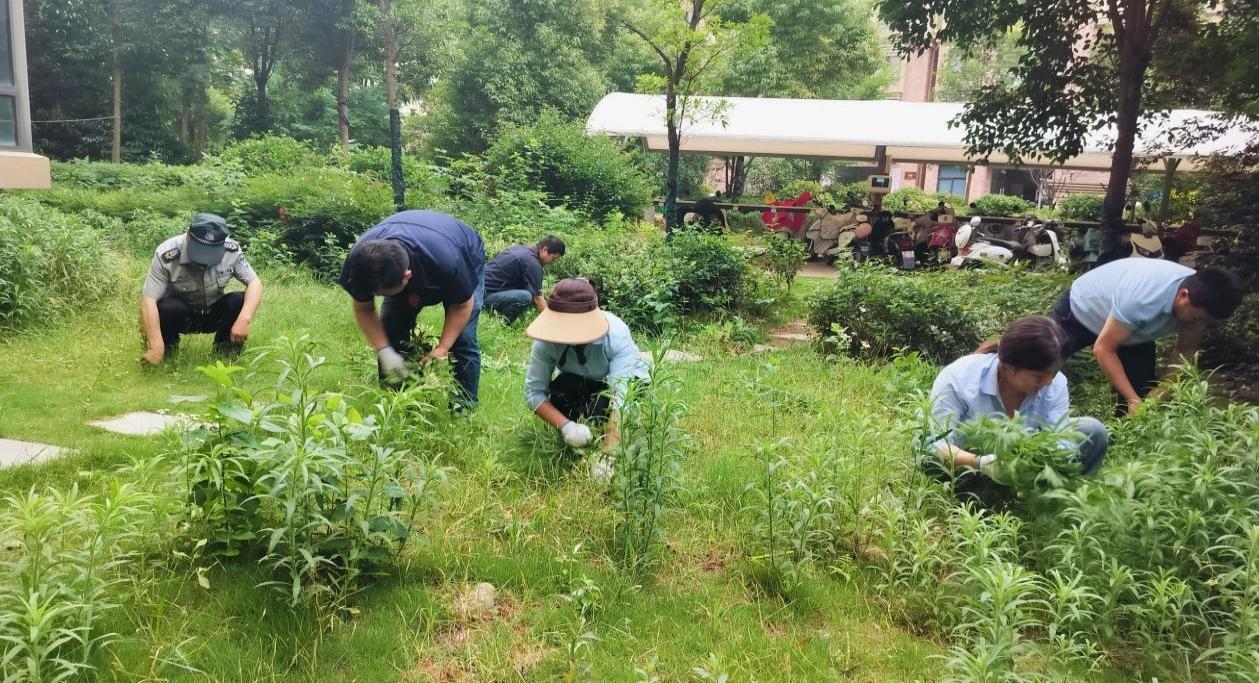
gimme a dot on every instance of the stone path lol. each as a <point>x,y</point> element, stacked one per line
<point>797,332</point>
<point>818,269</point>
<point>15,453</point>
<point>141,423</point>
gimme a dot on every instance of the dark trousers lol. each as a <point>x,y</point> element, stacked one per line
<point>579,398</point>
<point>398,318</point>
<point>1139,360</point>
<point>177,318</point>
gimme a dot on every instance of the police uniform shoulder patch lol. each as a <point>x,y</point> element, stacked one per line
<point>231,245</point>
<point>170,254</point>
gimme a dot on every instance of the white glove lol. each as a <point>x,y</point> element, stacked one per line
<point>392,363</point>
<point>601,470</point>
<point>988,467</point>
<point>576,434</point>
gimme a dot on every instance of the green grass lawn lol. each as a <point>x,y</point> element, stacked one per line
<point>510,516</point>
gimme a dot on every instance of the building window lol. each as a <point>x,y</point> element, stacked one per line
<point>8,85</point>
<point>952,180</point>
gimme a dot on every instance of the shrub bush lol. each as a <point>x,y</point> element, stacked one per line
<point>311,209</point>
<point>51,263</point>
<point>1002,205</point>
<point>1081,207</point>
<point>912,200</point>
<point>649,282</point>
<point>710,275</point>
<point>591,173</point>
<point>270,154</point>
<point>871,312</point>
<point>424,185</point>
<point>139,232</point>
<point>851,194</point>
<point>622,269</point>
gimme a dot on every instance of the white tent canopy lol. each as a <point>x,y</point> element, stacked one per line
<point>852,129</point>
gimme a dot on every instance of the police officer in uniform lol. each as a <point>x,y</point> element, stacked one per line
<point>183,291</point>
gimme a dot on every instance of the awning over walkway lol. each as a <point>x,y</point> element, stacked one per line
<point>852,129</point>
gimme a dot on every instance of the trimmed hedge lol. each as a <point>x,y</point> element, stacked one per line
<point>872,312</point>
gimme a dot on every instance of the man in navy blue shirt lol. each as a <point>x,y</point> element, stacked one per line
<point>415,259</point>
<point>513,279</point>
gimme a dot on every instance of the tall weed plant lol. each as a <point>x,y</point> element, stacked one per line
<point>1157,554</point>
<point>51,263</point>
<point>647,463</point>
<point>65,564</point>
<point>326,495</point>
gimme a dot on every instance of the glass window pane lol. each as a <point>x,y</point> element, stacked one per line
<point>6,45</point>
<point>8,121</point>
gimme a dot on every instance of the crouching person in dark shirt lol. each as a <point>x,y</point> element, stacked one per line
<point>513,279</point>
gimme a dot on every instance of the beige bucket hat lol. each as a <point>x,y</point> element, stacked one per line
<point>572,316</point>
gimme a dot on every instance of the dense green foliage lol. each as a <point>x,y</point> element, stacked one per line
<point>650,282</point>
<point>51,264</point>
<point>270,154</point>
<point>1080,207</point>
<point>1002,205</point>
<point>912,200</point>
<point>592,174</point>
<point>875,313</point>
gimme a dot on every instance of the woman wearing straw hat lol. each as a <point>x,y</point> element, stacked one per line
<point>595,357</point>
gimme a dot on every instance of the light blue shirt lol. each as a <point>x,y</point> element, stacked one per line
<point>966,390</point>
<point>1138,292</point>
<point>613,359</point>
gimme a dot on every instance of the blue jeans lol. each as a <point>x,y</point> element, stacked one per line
<point>1093,448</point>
<point>398,318</point>
<point>509,303</point>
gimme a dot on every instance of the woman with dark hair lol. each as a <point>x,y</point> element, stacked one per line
<point>1019,373</point>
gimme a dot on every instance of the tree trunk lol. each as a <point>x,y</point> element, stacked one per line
<point>738,176</point>
<point>1132,65</point>
<point>115,152</point>
<point>343,91</point>
<point>390,35</point>
<point>264,105</point>
<point>1169,164</point>
<point>671,168</point>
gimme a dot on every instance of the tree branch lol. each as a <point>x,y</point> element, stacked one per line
<point>668,67</point>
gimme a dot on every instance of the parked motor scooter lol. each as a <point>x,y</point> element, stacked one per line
<point>900,249</point>
<point>975,249</point>
<point>855,236</point>
<point>940,242</point>
<point>1147,244</point>
<point>1041,246</point>
<point>827,230</point>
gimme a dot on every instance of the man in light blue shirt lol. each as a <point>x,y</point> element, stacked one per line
<point>1121,309</point>
<point>595,357</point>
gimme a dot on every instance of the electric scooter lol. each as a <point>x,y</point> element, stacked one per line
<point>975,249</point>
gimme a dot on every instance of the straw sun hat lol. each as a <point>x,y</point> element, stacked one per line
<point>572,316</point>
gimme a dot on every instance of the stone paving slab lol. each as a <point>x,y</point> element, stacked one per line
<point>793,336</point>
<point>142,423</point>
<point>14,453</point>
